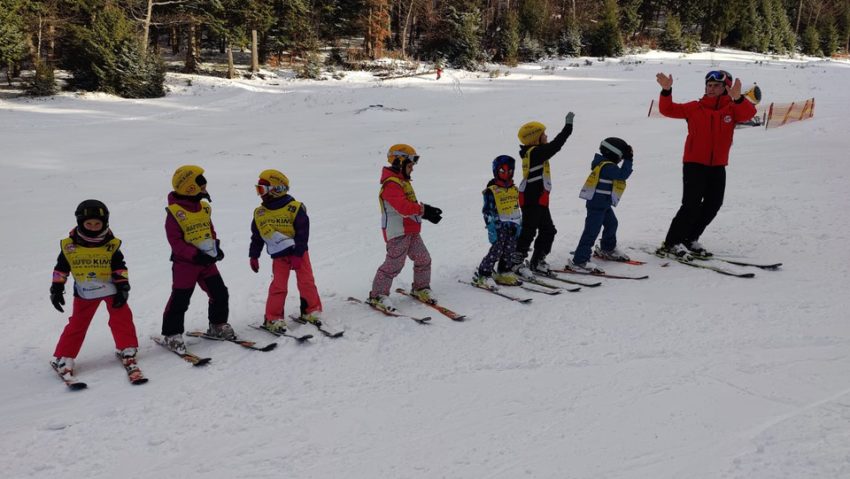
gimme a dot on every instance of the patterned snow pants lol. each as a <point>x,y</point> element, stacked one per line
<point>500,251</point>
<point>409,245</point>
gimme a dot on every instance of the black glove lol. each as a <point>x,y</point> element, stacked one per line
<point>120,298</point>
<point>220,255</point>
<point>203,258</point>
<point>57,296</point>
<point>434,215</point>
<point>629,153</point>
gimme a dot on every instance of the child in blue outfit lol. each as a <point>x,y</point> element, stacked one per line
<point>503,218</point>
<point>603,190</point>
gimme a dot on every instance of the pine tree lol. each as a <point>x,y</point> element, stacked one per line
<point>14,46</point>
<point>507,39</point>
<point>810,42</point>
<point>672,39</point>
<point>44,82</point>
<point>828,38</point>
<point>606,40</point>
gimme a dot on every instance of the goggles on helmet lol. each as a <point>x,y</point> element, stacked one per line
<point>91,212</point>
<point>266,189</point>
<point>506,170</point>
<point>719,76</point>
<point>406,156</point>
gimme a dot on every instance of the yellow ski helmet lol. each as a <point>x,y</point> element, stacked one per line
<point>402,152</point>
<point>529,134</point>
<point>272,183</point>
<point>188,179</point>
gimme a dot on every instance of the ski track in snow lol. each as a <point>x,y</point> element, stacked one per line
<point>686,374</point>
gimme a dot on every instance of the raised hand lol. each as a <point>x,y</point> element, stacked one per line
<point>735,90</point>
<point>666,81</point>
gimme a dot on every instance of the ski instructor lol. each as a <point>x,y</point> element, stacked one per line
<point>711,125</point>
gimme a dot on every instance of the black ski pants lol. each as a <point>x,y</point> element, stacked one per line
<point>536,221</point>
<point>702,196</point>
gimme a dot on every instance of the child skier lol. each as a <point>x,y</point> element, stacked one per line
<point>92,254</point>
<point>282,224</point>
<point>194,252</point>
<point>401,222</point>
<point>602,190</point>
<point>536,151</point>
<point>503,217</point>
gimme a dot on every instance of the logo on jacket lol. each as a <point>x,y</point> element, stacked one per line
<point>181,216</point>
<point>70,247</point>
<point>727,119</point>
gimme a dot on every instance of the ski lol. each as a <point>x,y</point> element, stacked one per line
<point>529,286</point>
<point>190,358</point>
<point>134,374</point>
<point>769,267</point>
<point>707,266</point>
<point>391,313</point>
<point>498,292</point>
<point>322,327</point>
<point>632,262</point>
<point>252,345</point>
<point>300,338</point>
<point>69,379</point>
<point>599,275</point>
<point>569,281</point>
<point>442,309</point>
<point>548,285</point>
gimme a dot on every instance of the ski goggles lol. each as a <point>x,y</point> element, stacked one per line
<point>266,189</point>
<point>406,156</point>
<point>505,170</point>
<point>719,76</point>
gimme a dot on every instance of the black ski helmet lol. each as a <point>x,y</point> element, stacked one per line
<point>614,148</point>
<point>92,209</point>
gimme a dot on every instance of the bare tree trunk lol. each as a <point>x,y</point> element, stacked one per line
<point>38,44</point>
<point>799,14</point>
<point>191,65</point>
<point>51,41</point>
<point>255,54</point>
<point>147,26</point>
<point>175,40</point>
<point>405,29</point>
<point>231,71</point>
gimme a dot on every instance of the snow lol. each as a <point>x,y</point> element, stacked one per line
<point>686,374</point>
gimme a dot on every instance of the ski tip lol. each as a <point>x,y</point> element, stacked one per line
<point>139,381</point>
<point>77,386</point>
<point>268,347</point>
<point>202,362</point>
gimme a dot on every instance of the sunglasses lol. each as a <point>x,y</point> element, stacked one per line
<point>401,154</point>
<point>266,189</point>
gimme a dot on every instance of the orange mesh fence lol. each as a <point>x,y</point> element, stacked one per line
<point>781,114</point>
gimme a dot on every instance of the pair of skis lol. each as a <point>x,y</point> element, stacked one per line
<point>196,360</point>
<point>454,316</point>
<point>134,374</point>
<point>702,262</point>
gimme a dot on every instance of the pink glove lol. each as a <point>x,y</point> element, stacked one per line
<point>255,265</point>
<point>295,262</point>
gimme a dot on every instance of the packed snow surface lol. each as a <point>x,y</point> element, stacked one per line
<point>688,374</point>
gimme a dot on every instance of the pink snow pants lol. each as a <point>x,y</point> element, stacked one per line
<point>120,322</point>
<point>279,287</point>
<point>398,249</point>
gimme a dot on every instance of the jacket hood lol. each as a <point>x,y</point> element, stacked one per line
<point>388,172</point>
<point>598,158</point>
<point>278,203</point>
<point>189,204</point>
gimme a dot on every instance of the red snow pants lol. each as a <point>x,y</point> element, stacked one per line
<point>120,322</point>
<point>279,287</point>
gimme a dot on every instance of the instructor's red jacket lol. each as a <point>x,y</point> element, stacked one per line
<point>711,124</point>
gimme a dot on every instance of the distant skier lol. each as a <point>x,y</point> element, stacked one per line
<point>194,252</point>
<point>711,126</point>
<point>536,151</point>
<point>282,225</point>
<point>602,190</point>
<point>92,255</point>
<point>503,217</point>
<point>401,222</point>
